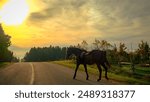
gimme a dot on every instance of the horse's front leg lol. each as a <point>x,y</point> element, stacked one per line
<point>77,66</point>
<point>100,71</point>
<point>87,76</point>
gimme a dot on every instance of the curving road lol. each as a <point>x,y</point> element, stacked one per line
<point>44,73</point>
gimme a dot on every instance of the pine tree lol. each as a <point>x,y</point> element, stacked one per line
<point>5,54</point>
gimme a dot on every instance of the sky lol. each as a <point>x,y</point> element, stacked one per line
<point>40,23</point>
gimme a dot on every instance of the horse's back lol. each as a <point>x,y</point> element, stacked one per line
<point>95,56</point>
<point>98,54</point>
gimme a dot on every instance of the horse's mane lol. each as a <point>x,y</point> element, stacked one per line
<point>95,51</point>
<point>82,50</point>
<point>89,52</point>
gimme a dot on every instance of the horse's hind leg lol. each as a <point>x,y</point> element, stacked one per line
<point>87,76</point>
<point>100,72</point>
<point>105,70</point>
<point>77,66</point>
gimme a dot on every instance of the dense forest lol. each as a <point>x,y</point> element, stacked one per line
<point>50,53</point>
<point>5,54</point>
<point>115,54</point>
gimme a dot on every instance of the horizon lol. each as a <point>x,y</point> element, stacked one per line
<point>69,22</point>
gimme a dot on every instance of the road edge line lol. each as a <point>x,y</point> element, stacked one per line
<point>32,74</point>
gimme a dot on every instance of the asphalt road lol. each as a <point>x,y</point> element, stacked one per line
<point>45,73</point>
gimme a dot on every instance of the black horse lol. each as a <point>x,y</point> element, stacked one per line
<point>93,57</point>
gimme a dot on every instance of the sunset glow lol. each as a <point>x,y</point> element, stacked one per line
<point>14,12</point>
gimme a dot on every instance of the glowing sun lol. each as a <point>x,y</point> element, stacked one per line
<point>14,12</point>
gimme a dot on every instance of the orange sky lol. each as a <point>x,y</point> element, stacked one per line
<point>68,22</point>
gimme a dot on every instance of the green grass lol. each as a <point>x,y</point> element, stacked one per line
<point>122,75</point>
<point>3,64</point>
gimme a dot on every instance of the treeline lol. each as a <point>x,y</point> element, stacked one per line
<point>121,53</point>
<point>5,54</point>
<point>115,54</point>
<point>50,53</point>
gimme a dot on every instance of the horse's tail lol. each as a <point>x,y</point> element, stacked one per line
<point>108,64</point>
<point>106,61</point>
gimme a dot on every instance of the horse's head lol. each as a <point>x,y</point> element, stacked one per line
<point>73,51</point>
<point>68,52</point>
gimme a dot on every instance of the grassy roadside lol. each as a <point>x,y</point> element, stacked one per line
<point>3,64</point>
<point>122,75</point>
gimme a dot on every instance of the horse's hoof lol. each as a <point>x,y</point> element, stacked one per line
<point>98,79</point>
<point>87,78</point>
<point>107,78</point>
<point>73,77</point>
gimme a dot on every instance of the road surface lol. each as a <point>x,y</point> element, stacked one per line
<point>45,73</point>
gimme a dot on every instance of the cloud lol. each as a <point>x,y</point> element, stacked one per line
<point>120,19</point>
<point>64,15</point>
<point>106,19</point>
<point>55,8</point>
<point>118,12</point>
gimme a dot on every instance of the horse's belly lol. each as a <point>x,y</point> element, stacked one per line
<point>89,62</point>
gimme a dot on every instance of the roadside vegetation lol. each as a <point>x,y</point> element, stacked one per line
<point>122,74</point>
<point>3,64</point>
<point>5,54</point>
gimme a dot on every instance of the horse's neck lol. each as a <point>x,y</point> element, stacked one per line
<point>77,52</point>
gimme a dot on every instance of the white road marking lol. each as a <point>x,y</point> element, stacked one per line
<point>32,74</point>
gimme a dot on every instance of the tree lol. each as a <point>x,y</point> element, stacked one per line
<point>45,54</point>
<point>83,45</point>
<point>113,55</point>
<point>96,44</point>
<point>79,46</point>
<point>105,45</point>
<point>5,54</point>
<point>122,49</point>
<point>122,54</point>
<point>101,45</point>
<point>143,51</point>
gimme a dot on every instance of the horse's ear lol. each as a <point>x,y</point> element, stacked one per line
<point>71,46</point>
